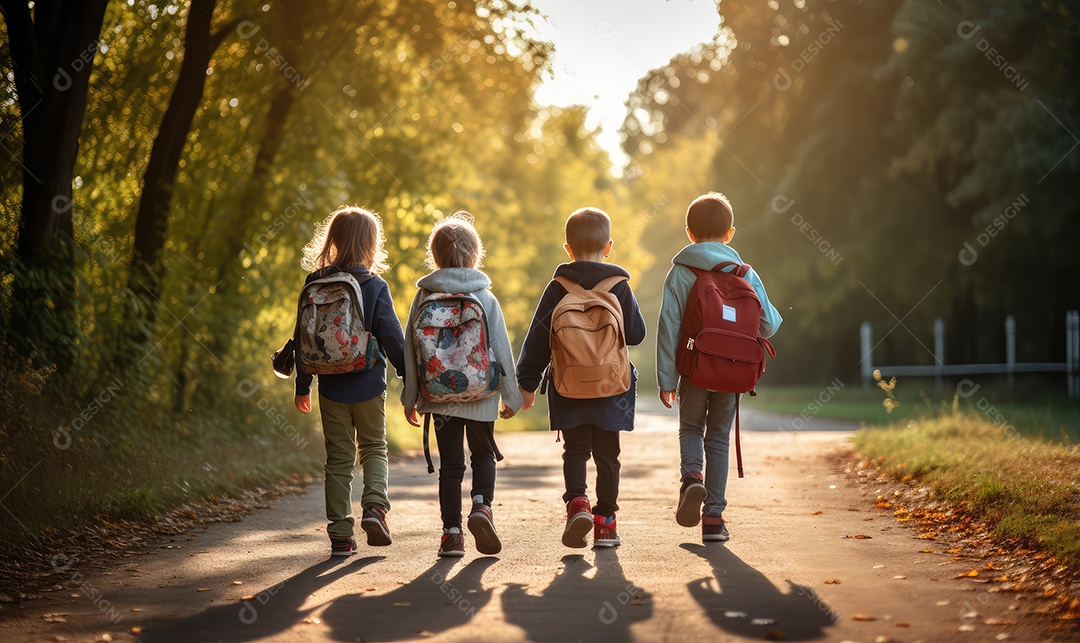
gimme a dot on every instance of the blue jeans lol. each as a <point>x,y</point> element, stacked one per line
<point>705,421</point>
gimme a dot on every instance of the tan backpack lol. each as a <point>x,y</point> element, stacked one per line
<point>589,357</point>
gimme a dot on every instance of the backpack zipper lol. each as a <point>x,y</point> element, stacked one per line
<point>690,344</point>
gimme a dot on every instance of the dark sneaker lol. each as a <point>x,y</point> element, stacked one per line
<point>482,527</point>
<point>578,520</point>
<point>692,494</point>
<point>452,544</point>
<point>713,529</point>
<point>604,534</point>
<point>374,525</point>
<point>342,546</point>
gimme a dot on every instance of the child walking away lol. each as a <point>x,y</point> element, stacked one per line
<point>458,363</point>
<point>577,347</point>
<point>710,348</point>
<point>346,325</point>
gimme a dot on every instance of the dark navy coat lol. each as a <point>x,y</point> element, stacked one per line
<point>615,413</point>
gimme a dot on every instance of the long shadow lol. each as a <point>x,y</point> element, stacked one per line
<point>433,602</point>
<point>271,611</point>
<point>747,604</point>
<point>575,607</point>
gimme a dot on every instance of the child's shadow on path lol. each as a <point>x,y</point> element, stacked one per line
<point>431,603</point>
<point>745,595</point>
<point>270,611</point>
<point>575,607</point>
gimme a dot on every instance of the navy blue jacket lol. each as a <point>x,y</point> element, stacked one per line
<point>383,323</point>
<point>615,413</point>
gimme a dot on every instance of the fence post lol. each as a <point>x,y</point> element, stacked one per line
<point>866,338</point>
<point>1072,352</point>
<point>939,355</point>
<point>1010,349</point>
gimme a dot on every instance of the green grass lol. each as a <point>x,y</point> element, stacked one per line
<point>1025,487</point>
<point>1042,416</point>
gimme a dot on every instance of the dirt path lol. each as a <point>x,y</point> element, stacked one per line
<point>788,519</point>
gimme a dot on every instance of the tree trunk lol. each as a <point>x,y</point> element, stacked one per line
<point>52,53</point>
<point>159,179</point>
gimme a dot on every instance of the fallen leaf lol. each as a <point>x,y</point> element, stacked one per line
<point>816,513</point>
<point>774,635</point>
<point>247,597</point>
<point>899,577</point>
<point>236,582</point>
<point>883,505</point>
<point>863,617</point>
<point>136,630</point>
<point>203,589</point>
<point>868,518</point>
<point>903,625</point>
<point>929,535</point>
<point>135,609</point>
<point>971,574</point>
<point>833,581</point>
<point>369,589</point>
<point>966,627</point>
<point>926,551</point>
<point>425,633</point>
<point>859,537</point>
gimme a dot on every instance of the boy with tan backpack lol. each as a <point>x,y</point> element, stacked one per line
<point>576,353</point>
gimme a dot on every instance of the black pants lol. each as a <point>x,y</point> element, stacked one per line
<point>578,444</point>
<point>449,435</point>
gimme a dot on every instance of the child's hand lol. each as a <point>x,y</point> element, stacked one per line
<point>412,417</point>
<point>667,397</point>
<point>303,403</point>
<point>528,399</point>
<point>506,412</point>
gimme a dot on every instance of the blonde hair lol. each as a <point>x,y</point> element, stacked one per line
<point>347,238</point>
<point>454,243</point>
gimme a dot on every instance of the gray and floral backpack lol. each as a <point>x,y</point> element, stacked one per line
<point>455,360</point>
<point>331,336</point>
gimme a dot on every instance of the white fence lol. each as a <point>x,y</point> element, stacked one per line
<point>939,369</point>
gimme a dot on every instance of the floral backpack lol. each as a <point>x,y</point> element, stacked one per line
<point>330,331</point>
<point>456,363</point>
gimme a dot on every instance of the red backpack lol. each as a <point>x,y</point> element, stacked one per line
<point>720,345</point>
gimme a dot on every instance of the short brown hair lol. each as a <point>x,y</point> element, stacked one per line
<point>454,243</point>
<point>588,231</point>
<point>710,216</point>
<point>348,238</point>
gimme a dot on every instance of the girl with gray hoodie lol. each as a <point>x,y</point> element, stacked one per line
<point>454,255</point>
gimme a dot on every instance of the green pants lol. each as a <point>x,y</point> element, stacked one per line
<point>345,427</point>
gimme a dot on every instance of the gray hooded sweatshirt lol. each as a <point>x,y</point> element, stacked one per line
<point>463,280</point>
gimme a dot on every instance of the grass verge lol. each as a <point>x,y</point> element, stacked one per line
<point>1026,489</point>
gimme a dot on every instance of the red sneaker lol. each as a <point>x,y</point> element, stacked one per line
<point>692,494</point>
<point>452,544</point>
<point>578,520</point>
<point>604,534</point>
<point>374,525</point>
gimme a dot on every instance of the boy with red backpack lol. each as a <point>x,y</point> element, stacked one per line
<point>576,350</point>
<point>714,323</point>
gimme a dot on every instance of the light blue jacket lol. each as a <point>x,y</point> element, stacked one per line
<point>680,279</point>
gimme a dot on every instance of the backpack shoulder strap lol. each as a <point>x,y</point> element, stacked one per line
<point>607,284</point>
<point>740,269</point>
<point>569,284</point>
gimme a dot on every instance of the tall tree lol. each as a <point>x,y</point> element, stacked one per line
<point>52,47</point>
<point>159,179</point>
